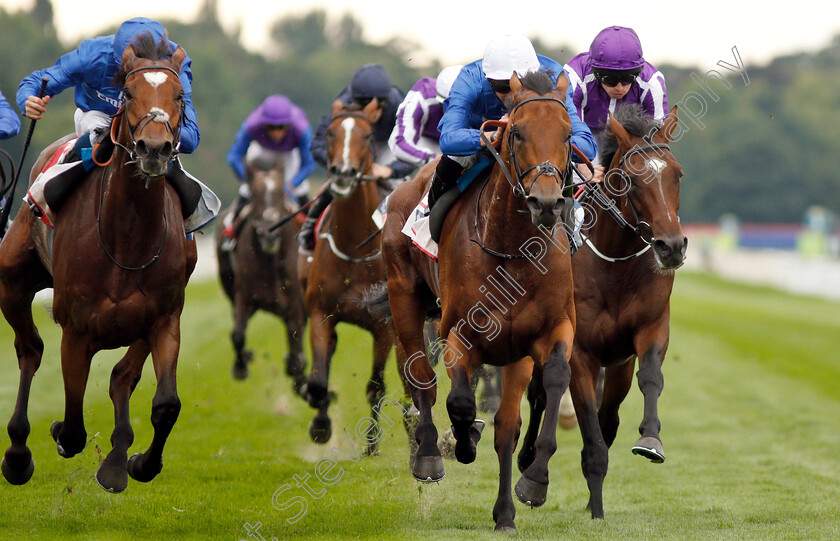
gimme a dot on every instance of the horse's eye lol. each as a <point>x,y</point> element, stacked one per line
<point>514,131</point>
<point>180,97</point>
<point>329,134</point>
<point>127,95</point>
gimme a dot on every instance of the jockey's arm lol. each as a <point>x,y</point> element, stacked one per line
<point>307,162</point>
<point>581,134</point>
<point>190,136</point>
<point>236,154</point>
<point>68,71</point>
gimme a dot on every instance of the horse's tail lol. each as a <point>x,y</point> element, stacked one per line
<point>375,300</point>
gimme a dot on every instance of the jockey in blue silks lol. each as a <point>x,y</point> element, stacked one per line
<point>276,130</point>
<point>477,95</point>
<point>9,121</point>
<point>90,69</point>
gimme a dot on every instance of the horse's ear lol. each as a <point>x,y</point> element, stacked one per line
<point>562,85</point>
<point>620,133</point>
<point>670,125</point>
<point>128,58</point>
<point>178,57</point>
<point>515,83</point>
<point>337,106</point>
<point>372,111</point>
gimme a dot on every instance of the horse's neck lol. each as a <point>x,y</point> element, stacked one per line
<point>130,210</point>
<point>351,220</point>
<point>504,219</point>
<point>608,235</point>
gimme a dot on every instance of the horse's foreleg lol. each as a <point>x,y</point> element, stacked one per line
<point>165,342</point>
<point>461,406</point>
<point>113,473</point>
<point>651,383</point>
<point>323,340</point>
<point>536,403</point>
<point>70,435</point>
<point>617,382</point>
<point>383,341</point>
<point>507,423</point>
<point>594,458</point>
<point>17,464</point>
<point>532,487</point>
<point>242,312</point>
<point>295,359</point>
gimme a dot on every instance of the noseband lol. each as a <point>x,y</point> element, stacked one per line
<point>154,115</point>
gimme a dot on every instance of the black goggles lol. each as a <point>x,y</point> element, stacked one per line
<point>499,85</point>
<point>615,80</point>
<point>270,127</point>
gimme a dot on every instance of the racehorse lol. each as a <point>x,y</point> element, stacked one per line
<point>119,264</point>
<point>260,273</point>
<point>340,271</point>
<point>623,280</point>
<point>504,287</point>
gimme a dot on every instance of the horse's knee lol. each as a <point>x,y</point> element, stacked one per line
<point>594,460</point>
<point>461,406</point>
<point>650,374</point>
<point>557,373</point>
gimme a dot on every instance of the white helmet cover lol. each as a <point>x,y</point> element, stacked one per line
<point>507,54</point>
<point>444,81</point>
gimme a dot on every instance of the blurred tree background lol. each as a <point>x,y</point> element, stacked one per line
<point>767,152</point>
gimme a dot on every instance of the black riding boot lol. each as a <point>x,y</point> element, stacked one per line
<point>59,188</point>
<point>446,176</point>
<point>306,236</point>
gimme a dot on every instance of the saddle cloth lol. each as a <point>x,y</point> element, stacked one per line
<point>54,167</point>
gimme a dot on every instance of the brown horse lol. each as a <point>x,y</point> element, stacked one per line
<point>623,281</point>
<point>119,264</point>
<point>504,284</point>
<point>261,271</point>
<point>340,271</point>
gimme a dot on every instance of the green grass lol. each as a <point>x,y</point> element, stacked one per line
<point>750,415</point>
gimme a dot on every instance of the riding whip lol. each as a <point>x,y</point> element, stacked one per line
<point>7,208</point>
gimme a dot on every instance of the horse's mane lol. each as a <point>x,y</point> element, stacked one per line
<point>145,46</point>
<point>537,81</point>
<point>635,120</point>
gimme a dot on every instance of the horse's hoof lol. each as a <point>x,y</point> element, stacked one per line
<point>239,371</point>
<point>112,478</point>
<point>567,422</point>
<point>650,448</point>
<point>55,430</point>
<point>428,469</point>
<point>136,469</point>
<point>18,476</point>
<point>530,492</point>
<point>506,528</point>
<point>525,458</point>
<point>465,451</point>
<point>320,432</point>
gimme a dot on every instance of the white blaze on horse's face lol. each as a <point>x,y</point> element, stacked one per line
<point>348,124</point>
<point>155,78</point>
<point>657,166</point>
<point>271,213</point>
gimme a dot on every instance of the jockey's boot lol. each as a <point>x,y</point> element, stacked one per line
<point>50,190</point>
<point>199,205</point>
<point>306,236</point>
<point>243,197</point>
<point>446,176</point>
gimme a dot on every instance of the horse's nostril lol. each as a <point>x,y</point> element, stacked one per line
<point>166,149</point>
<point>141,148</point>
<point>534,204</point>
<point>661,247</point>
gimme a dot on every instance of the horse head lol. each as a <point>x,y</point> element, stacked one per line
<point>646,173</point>
<point>154,104</point>
<point>268,200</point>
<point>349,139</point>
<point>537,145</point>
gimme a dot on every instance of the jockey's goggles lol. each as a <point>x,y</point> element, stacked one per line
<point>500,86</point>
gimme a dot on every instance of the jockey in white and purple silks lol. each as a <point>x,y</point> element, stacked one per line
<point>416,138</point>
<point>614,72</point>
<point>276,130</point>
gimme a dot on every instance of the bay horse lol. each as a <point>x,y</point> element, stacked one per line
<point>119,264</point>
<point>340,271</point>
<point>504,286</point>
<point>623,280</point>
<point>260,273</point>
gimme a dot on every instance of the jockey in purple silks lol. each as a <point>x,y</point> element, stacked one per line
<point>614,72</point>
<point>416,138</point>
<point>276,130</point>
<point>90,70</point>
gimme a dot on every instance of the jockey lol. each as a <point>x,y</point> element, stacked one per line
<point>416,138</point>
<point>276,129</point>
<point>614,72</point>
<point>9,121</point>
<point>478,95</point>
<point>90,69</point>
<point>369,81</point>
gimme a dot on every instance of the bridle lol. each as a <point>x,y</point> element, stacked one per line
<point>641,228</point>
<point>371,156</point>
<point>154,115</point>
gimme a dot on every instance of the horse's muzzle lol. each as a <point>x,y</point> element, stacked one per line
<point>670,252</point>
<point>153,156</point>
<point>545,210</point>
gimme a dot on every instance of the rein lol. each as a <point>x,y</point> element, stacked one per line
<point>642,228</point>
